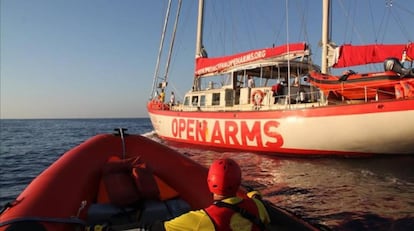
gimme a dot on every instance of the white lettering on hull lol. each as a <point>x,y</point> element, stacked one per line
<point>257,133</point>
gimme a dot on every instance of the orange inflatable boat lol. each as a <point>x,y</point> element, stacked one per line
<point>119,182</point>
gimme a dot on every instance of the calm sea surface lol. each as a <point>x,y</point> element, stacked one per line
<point>341,193</point>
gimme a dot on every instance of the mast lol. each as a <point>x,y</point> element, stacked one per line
<point>199,52</point>
<point>325,35</point>
<point>200,20</point>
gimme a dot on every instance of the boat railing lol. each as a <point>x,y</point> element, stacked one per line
<point>299,99</point>
<point>269,102</point>
<point>355,93</point>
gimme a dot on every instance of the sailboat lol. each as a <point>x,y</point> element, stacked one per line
<point>288,113</point>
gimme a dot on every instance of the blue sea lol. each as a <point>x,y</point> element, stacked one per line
<point>370,193</point>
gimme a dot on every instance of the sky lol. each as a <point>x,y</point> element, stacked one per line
<point>96,58</point>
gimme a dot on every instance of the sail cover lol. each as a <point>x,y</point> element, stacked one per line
<point>206,66</point>
<point>348,55</point>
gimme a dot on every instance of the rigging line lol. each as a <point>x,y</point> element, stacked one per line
<point>351,21</point>
<point>234,32</point>
<point>278,33</point>
<point>353,24</point>
<point>172,41</point>
<point>214,29</point>
<point>183,24</point>
<point>406,9</point>
<point>177,93</point>
<point>347,16</point>
<point>387,20</point>
<point>305,16</point>
<point>254,15</point>
<point>383,19</point>
<point>400,24</point>
<point>265,20</point>
<point>167,14</point>
<point>355,29</point>
<point>372,21</point>
<point>303,13</point>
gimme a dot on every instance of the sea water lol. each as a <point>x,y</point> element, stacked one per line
<point>371,193</point>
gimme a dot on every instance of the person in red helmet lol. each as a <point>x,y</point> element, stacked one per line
<point>228,212</point>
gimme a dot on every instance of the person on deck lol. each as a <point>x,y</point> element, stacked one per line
<point>250,85</point>
<point>277,91</point>
<point>228,212</point>
<point>172,99</point>
<point>162,96</point>
<point>250,82</point>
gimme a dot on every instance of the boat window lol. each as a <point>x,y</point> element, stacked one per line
<point>194,100</point>
<point>228,97</point>
<point>203,100</point>
<point>216,99</point>
<point>187,101</point>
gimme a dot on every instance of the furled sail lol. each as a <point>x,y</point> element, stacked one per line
<point>349,55</point>
<point>207,66</point>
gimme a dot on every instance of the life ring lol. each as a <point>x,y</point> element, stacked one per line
<point>257,97</point>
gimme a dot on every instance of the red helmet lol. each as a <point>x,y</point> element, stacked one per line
<point>224,177</point>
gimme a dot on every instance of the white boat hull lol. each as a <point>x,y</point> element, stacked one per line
<point>359,129</point>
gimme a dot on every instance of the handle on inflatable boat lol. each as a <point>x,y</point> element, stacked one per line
<point>122,133</point>
<point>81,207</point>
